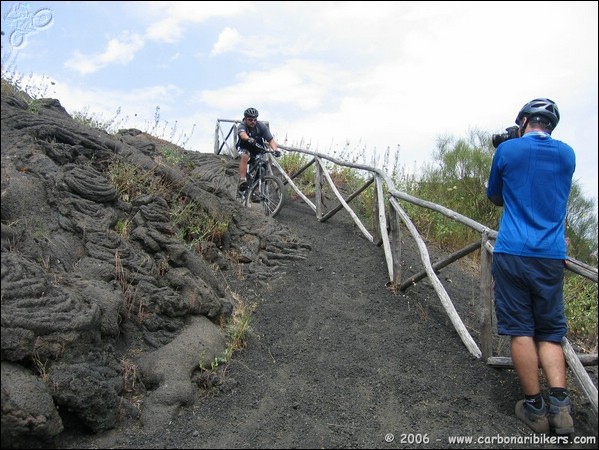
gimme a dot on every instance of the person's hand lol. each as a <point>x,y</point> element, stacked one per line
<point>251,141</point>
<point>277,153</point>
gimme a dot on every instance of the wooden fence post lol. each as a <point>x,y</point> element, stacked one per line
<point>216,143</point>
<point>376,224</point>
<point>318,188</point>
<point>394,227</point>
<point>486,299</point>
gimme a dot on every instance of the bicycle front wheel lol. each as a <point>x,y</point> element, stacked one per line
<point>270,194</point>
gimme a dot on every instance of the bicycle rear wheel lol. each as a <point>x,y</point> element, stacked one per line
<point>270,195</point>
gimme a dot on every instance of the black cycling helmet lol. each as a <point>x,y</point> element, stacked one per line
<point>540,107</point>
<point>251,112</point>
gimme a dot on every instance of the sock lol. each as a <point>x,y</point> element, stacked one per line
<point>559,393</point>
<point>536,401</point>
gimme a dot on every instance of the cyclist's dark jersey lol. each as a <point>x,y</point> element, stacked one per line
<point>260,132</point>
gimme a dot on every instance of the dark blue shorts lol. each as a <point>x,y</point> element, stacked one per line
<point>529,299</point>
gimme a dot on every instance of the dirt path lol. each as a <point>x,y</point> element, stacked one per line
<point>336,360</point>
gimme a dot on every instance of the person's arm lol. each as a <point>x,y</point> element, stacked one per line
<point>267,136</point>
<point>495,184</point>
<point>243,136</point>
<point>495,198</point>
<point>273,145</point>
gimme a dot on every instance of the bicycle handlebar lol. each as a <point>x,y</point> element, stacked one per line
<point>276,153</point>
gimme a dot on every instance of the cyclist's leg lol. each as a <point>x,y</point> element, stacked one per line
<point>243,167</point>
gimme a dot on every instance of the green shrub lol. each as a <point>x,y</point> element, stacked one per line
<point>580,296</point>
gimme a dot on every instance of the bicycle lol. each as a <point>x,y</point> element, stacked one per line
<point>264,188</point>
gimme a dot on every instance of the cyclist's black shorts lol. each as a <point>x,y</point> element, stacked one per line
<point>253,151</point>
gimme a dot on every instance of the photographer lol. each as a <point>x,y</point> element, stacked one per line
<point>531,176</point>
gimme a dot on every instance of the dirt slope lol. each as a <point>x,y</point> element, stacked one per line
<point>336,360</point>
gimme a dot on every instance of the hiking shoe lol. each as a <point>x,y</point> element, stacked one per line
<point>255,197</point>
<point>536,419</point>
<point>560,419</point>
<point>243,185</point>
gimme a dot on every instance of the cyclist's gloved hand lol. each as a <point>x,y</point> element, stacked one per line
<point>277,153</point>
<point>251,141</point>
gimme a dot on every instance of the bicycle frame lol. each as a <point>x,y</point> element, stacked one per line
<point>258,167</point>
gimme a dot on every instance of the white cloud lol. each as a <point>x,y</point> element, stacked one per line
<point>169,29</point>
<point>227,41</point>
<point>82,64</point>
<point>117,51</point>
<point>122,51</point>
<point>174,17</point>
<point>304,84</point>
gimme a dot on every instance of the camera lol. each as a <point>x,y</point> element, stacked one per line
<point>511,133</point>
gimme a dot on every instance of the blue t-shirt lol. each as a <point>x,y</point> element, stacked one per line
<point>531,178</point>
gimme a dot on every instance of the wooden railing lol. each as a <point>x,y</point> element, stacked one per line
<point>388,235</point>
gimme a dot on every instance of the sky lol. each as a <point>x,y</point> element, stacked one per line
<point>354,80</point>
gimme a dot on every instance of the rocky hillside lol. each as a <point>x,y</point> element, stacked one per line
<point>115,252</point>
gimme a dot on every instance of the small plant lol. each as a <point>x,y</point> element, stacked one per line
<point>169,135</point>
<point>237,328</point>
<point>122,227</point>
<point>28,88</point>
<point>173,155</point>
<point>422,312</point>
<point>34,106</point>
<point>163,266</point>
<point>214,364</point>
<point>110,126</point>
<point>39,229</point>
<point>131,182</point>
<point>54,350</point>
<point>40,366</point>
<point>134,303</point>
<point>195,225</point>
<point>130,375</point>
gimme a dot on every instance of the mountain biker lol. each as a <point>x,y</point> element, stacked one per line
<point>251,132</point>
<point>531,177</point>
